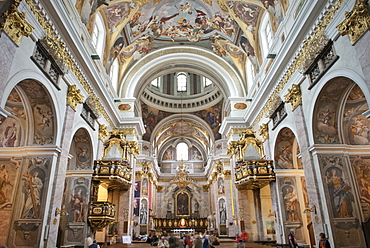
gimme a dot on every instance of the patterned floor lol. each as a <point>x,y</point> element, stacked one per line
<point>223,245</point>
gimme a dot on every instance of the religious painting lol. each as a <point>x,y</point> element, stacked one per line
<point>356,125</point>
<point>43,115</point>
<point>14,105</point>
<point>116,13</point>
<point>284,149</point>
<point>270,227</point>
<point>137,189</point>
<point>9,169</point>
<point>182,204</point>
<point>213,117</point>
<point>78,205</point>
<point>196,154</point>
<point>275,9</point>
<point>151,117</point>
<point>220,186</point>
<point>182,20</point>
<point>10,133</point>
<point>361,165</point>
<point>144,187</point>
<point>248,13</point>
<point>325,115</point>
<point>168,154</point>
<point>249,50</point>
<point>113,229</point>
<point>82,151</point>
<point>33,186</point>
<point>338,189</point>
<point>136,206</point>
<point>290,199</point>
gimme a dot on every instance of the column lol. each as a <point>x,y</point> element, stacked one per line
<point>258,212</point>
<point>60,175</point>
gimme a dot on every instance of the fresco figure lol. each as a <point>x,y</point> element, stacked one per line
<point>291,205</point>
<point>77,206</point>
<point>339,192</point>
<point>359,131</point>
<point>4,180</point>
<point>32,188</point>
<point>10,135</point>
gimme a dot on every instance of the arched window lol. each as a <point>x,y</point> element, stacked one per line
<point>98,35</point>
<point>207,81</point>
<point>250,74</point>
<point>155,82</point>
<point>114,70</point>
<point>266,34</point>
<point>181,82</point>
<point>182,151</point>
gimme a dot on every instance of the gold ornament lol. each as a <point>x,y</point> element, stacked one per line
<point>103,132</point>
<point>238,147</point>
<point>356,22</point>
<point>74,96</point>
<point>15,24</point>
<point>294,96</point>
<point>296,63</point>
<point>264,131</point>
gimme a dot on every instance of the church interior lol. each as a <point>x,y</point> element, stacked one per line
<point>124,118</point>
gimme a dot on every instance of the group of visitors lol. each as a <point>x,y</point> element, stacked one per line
<point>323,242</point>
<point>188,241</point>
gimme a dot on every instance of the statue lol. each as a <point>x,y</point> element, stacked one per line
<point>211,221</point>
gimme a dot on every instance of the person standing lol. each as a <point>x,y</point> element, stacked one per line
<point>292,239</point>
<point>324,242</point>
<point>197,242</point>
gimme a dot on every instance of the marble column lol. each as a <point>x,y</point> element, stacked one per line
<point>363,53</point>
<point>7,52</point>
<point>59,179</point>
<point>309,171</point>
<point>258,212</point>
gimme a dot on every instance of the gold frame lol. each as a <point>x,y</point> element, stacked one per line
<point>189,201</point>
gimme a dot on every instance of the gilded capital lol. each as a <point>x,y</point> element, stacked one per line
<point>294,96</point>
<point>15,24</point>
<point>159,188</point>
<point>227,174</point>
<point>103,132</point>
<point>205,187</point>
<point>356,22</point>
<point>264,131</point>
<point>74,96</point>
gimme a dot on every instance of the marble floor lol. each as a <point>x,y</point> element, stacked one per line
<point>223,245</point>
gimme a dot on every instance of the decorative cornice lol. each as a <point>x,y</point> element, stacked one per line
<point>294,96</point>
<point>296,63</point>
<point>356,22</point>
<point>74,97</point>
<point>62,55</point>
<point>15,24</point>
<point>264,131</point>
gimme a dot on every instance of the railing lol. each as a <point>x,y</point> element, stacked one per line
<point>114,174</point>
<point>101,214</point>
<point>254,174</point>
<point>176,223</point>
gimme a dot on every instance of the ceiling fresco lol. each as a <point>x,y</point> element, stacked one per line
<point>135,28</point>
